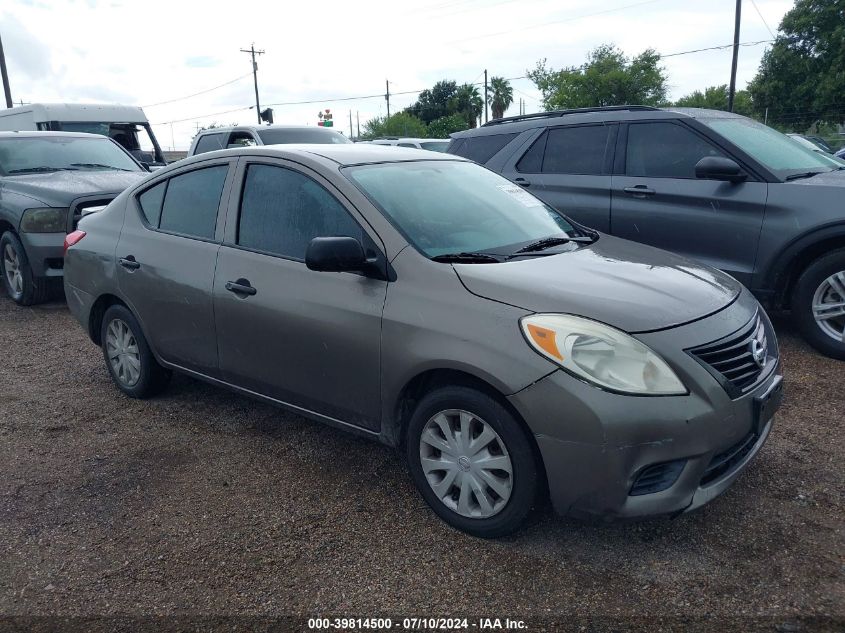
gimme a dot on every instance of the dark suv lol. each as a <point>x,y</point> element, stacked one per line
<point>713,186</point>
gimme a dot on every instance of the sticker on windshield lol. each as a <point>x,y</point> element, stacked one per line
<point>522,196</point>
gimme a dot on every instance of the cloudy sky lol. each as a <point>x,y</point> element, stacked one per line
<point>149,52</point>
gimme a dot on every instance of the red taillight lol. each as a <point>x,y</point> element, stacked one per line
<point>73,238</point>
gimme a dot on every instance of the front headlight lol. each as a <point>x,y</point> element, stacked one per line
<point>46,220</point>
<point>600,354</point>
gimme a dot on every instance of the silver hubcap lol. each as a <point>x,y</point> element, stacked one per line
<point>122,350</point>
<point>12,266</point>
<point>829,306</point>
<point>466,463</point>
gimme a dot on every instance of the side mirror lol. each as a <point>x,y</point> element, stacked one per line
<point>335,255</point>
<point>719,168</point>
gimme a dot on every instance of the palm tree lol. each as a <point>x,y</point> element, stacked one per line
<point>468,102</point>
<point>500,96</point>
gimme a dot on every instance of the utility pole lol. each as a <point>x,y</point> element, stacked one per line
<point>351,131</point>
<point>485,96</point>
<point>387,96</point>
<point>251,50</point>
<point>6,90</point>
<point>358,123</point>
<point>732,90</point>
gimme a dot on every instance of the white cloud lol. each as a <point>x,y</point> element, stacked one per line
<point>152,51</point>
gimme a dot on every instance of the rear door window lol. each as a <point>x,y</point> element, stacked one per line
<point>192,201</point>
<point>282,210</point>
<point>576,150</point>
<point>665,150</point>
<point>209,143</point>
<point>482,148</point>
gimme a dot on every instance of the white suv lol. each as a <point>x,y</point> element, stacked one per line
<point>432,144</point>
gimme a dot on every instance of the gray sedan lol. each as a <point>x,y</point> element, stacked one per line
<point>426,302</point>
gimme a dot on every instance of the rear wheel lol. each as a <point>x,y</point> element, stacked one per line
<point>472,462</point>
<point>130,362</point>
<point>20,285</point>
<point>818,304</point>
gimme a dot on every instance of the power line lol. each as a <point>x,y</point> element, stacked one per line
<point>766,24</point>
<point>196,94</point>
<point>714,48</point>
<point>203,116</point>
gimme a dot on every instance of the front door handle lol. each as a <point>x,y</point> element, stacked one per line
<point>129,262</point>
<point>639,191</point>
<point>241,287</point>
<point>522,182</point>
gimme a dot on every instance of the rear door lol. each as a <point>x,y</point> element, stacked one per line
<point>569,168</point>
<point>309,339</point>
<point>167,252</point>
<point>656,198</point>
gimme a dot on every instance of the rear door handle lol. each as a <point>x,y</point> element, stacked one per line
<point>241,287</point>
<point>640,191</point>
<point>522,182</point>
<point>129,262</point>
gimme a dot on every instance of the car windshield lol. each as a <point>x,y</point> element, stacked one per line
<point>33,154</point>
<point>317,136</point>
<point>435,146</point>
<point>451,207</point>
<point>781,154</point>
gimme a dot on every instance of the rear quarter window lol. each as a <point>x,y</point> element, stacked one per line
<point>482,148</point>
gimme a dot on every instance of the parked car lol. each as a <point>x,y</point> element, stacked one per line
<point>250,135</point>
<point>48,181</point>
<point>811,144</point>
<point>427,302</point>
<point>716,187</point>
<point>840,154</point>
<point>128,125</point>
<point>431,144</point>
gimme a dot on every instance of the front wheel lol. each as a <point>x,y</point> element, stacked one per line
<point>472,461</point>
<point>130,362</point>
<point>818,304</point>
<point>20,284</point>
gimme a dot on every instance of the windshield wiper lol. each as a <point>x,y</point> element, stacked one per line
<point>467,258</point>
<point>548,242</point>
<point>41,168</point>
<point>96,165</point>
<point>806,174</point>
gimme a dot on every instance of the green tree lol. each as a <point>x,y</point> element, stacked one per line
<point>500,96</point>
<point>434,103</point>
<point>212,126</point>
<point>446,125</point>
<point>801,79</point>
<point>716,98</point>
<point>607,78</point>
<point>399,124</point>
<point>468,103</point>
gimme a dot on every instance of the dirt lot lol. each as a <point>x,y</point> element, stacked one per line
<point>203,502</point>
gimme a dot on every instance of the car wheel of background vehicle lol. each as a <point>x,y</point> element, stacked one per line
<point>20,285</point>
<point>818,304</point>
<point>472,461</point>
<point>130,362</point>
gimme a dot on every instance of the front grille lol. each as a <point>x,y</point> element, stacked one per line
<point>81,209</point>
<point>657,477</point>
<point>726,461</point>
<point>733,357</point>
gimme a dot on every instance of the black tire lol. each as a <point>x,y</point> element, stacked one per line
<point>32,290</point>
<point>527,479</point>
<point>152,378</point>
<point>806,287</point>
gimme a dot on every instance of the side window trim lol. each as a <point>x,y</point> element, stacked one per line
<point>222,206</point>
<point>233,212</point>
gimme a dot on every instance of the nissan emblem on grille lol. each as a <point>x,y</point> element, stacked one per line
<point>758,352</point>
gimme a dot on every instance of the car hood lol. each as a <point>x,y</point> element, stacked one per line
<point>630,286</point>
<point>60,188</point>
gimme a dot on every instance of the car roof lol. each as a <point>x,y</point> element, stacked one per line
<point>80,112</point>
<point>518,124</point>
<point>259,128</point>
<point>342,154</point>
<point>406,139</point>
<point>43,134</point>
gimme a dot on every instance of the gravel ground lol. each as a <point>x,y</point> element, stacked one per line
<point>204,502</point>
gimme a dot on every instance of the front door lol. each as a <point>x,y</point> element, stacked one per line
<point>659,201</point>
<point>309,339</point>
<point>166,254</point>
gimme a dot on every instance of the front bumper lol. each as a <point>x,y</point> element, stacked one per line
<point>45,252</point>
<point>595,445</point>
